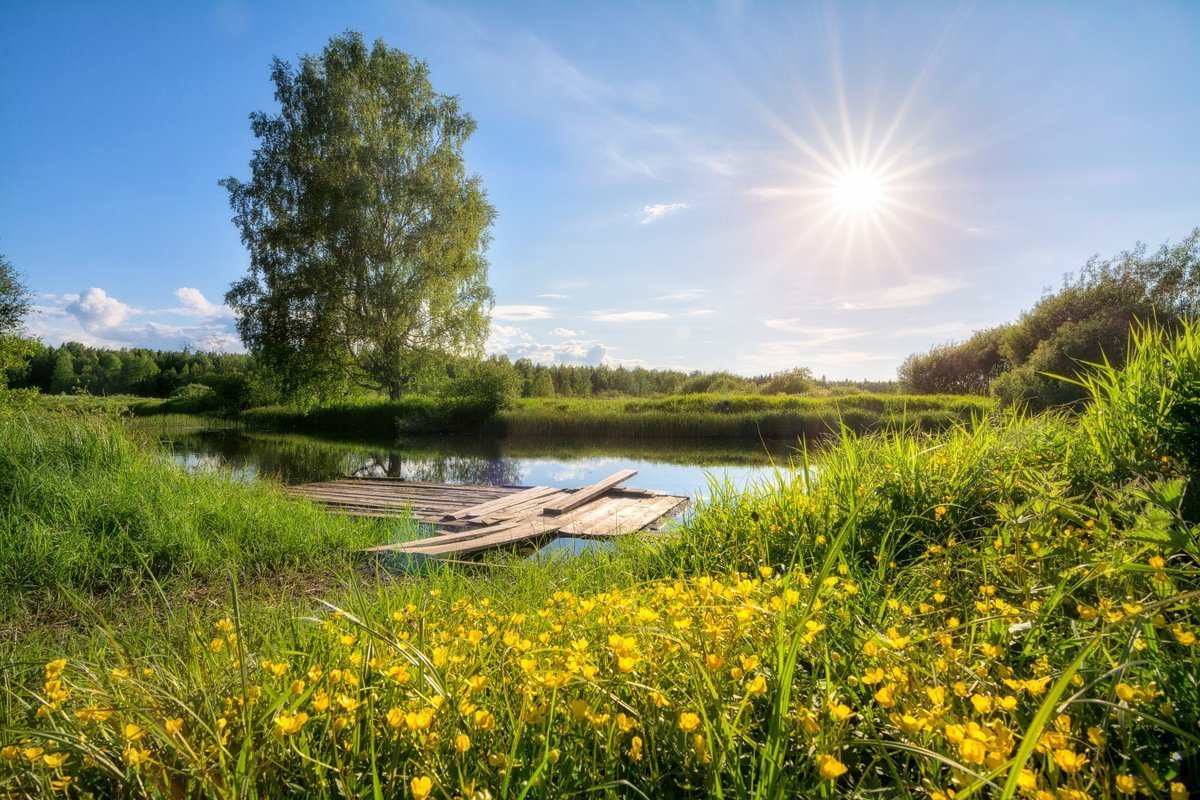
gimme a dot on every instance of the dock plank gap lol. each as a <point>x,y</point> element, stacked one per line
<point>470,519</point>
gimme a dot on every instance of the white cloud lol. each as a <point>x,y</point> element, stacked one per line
<point>195,304</point>
<point>519,313</point>
<point>552,296</point>
<point>628,316</point>
<point>920,291</point>
<point>515,343</point>
<point>566,332</point>
<point>97,319</point>
<point>699,312</point>
<point>655,212</point>
<point>97,312</point>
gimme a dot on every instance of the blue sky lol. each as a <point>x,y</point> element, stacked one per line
<point>731,185</point>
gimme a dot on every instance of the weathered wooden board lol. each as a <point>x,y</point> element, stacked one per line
<point>493,506</point>
<point>578,498</point>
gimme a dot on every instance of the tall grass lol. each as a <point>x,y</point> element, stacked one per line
<point>85,508</point>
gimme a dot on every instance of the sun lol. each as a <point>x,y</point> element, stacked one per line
<point>860,191</point>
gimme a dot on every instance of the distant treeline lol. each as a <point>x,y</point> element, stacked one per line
<point>235,382</point>
<point>1088,320</point>
<point>538,380</point>
<point>75,368</point>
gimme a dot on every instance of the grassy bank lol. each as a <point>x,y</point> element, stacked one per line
<point>1006,609</point>
<point>84,508</point>
<point>735,417</point>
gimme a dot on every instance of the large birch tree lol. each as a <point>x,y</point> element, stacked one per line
<point>367,236</point>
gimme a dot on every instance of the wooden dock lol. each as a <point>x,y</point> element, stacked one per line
<point>472,519</point>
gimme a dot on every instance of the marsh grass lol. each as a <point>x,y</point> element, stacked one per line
<point>986,612</point>
<point>733,417</point>
<point>84,507</point>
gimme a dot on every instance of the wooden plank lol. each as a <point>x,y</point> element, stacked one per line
<point>585,494</point>
<point>508,532</point>
<point>628,519</point>
<point>528,508</point>
<point>492,506</point>
<point>528,529</point>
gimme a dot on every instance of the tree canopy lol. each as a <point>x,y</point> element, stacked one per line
<point>1086,321</point>
<point>14,305</point>
<point>367,236</point>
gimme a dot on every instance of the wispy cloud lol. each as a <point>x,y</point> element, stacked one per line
<point>520,313</point>
<point>653,213</point>
<point>623,125</point>
<point>920,291</point>
<point>628,316</point>
<point>686,294</point>
<point>566,332</point>
<point>813,337</point>
<point>946,329</point>
<point>837,364</point>
<point>549,296</point>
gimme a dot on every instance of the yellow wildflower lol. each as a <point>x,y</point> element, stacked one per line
<point>688,721</point>
<point>829,767</point>
<point>1069,761</point>
<point>173,725</point>
<point>286,725</point>
<point>421,787</point>
<point>54,760</point>
<point>972,752</point>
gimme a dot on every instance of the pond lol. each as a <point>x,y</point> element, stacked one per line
<point>668,466</point>
<point>676,467</point>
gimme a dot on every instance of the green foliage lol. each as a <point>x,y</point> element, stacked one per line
<point>966,368</point>
<point>793,381</point>
<point>1145,417</point>
<point>488,386</point>
<point>1087,321</point>
<point>14,305</point>
<point>14,299</point>
<point>366,234</point>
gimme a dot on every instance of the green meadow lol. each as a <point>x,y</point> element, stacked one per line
<point>1007,607</point>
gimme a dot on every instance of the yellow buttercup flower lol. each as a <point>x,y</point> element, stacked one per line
<point>462,743</point>
<point>1126,784</point>
<point>829,767</point>
<point>688,721</point>
<point>173,725</point>
<point>54,760</point>
<point>286,725</point>
<point>421,787</point>
<point>1069,761</point>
